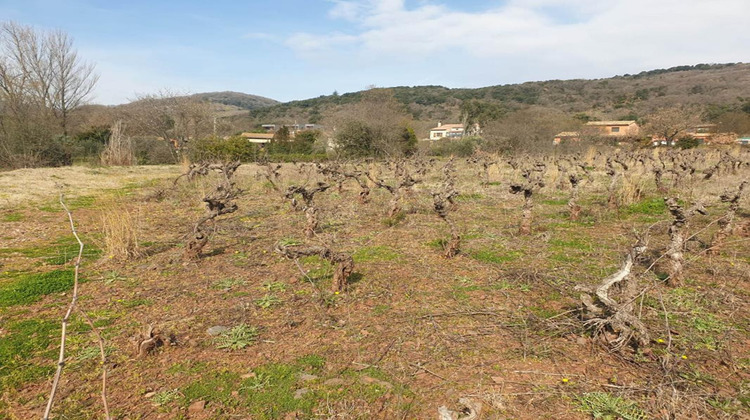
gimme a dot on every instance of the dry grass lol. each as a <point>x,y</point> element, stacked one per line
<point>31,186</point>
<point>120,230</point>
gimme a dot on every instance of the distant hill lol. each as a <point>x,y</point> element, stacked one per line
<point>631,96</point>
<point>237,99</point>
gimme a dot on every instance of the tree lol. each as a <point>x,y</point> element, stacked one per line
<point>173,117</point>
<point>671,123</point>
<point>42,81</point>
<point>71,79</point>
<point>377,125</point>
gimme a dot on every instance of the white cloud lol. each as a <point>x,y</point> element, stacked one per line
<point>577,36</point>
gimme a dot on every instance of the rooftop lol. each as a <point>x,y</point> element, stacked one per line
<point>446,127</point>
<point>611,122</point>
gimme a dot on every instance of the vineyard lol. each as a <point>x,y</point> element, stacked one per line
<point>601,284</point>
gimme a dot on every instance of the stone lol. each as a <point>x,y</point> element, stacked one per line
<point>306,377</point>
<point>217,330</point>
<point>196,406</point>
<point>300,393</point>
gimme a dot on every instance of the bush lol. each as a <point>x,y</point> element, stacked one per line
<point>461,148</point>
<point>153,152</point>
<point>688,142</point>
<point>233,148</point>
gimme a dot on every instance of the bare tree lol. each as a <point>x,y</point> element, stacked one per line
<point>71,79</point>
<point>44,69</point>
<point>173,117</point>
<point>670,123</point>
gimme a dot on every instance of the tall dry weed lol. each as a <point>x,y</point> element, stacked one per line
<point>119,149</point>
<point>120,230</point>
<point>631,190</point>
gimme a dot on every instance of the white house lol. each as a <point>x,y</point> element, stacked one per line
<point>447,131</point>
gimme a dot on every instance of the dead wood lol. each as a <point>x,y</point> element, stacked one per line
<point>602,313</point>
<point>343,263</point>
<point>219,202</point>
<point>726,221</point>
<point>677,236</point>
<point>534,181</point>
<point>442,204</point>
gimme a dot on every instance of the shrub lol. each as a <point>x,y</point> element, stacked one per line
<point>461,148</point>
<point>231,149</point>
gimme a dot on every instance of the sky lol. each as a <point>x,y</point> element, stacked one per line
<point>298,49</point>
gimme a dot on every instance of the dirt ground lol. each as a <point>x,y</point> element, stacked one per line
<point>246,334</point>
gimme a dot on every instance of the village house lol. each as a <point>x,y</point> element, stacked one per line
<point>258,138</point>
<point>566,136</point>
<point>447,131</point>
<point>612,128</point>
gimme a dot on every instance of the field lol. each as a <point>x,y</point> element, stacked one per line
<point>498,331</point>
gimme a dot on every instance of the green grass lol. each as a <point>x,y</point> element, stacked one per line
<point>650,206</point>
<point>58,252</point>
<point>495,257</point>
<point>74,203</point>
<point>606,406</point>
<point>376,253</point>
<point>560,202</point>
<point>29,288</point>
<point>576,244</point>
<point>12,217</point>
<point>25,341</point>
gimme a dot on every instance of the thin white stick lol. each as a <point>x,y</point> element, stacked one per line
<point>63,334</point>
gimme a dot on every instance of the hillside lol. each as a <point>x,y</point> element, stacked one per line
<point>237,99</point>
<point>719,85</point>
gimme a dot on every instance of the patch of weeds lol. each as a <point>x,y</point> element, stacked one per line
<point>543,313</point>
<point>708,323</point>
<point>275,286</point>
<point>29,288</point>
<point>212,387</point>
<point>134,303</point>
<point>606,406</point>
<point>395,220</point>
<point>228,283</point>
<point>375,253</point>
<point>437,243</point>
<point>560,202</point>
<point>92,352</point>
<point>576,244</point>
<point>24,341</point>
<point>74,203</point>
<point>166,397</point>
<point>290,242</point>
<point>237,338</point>
<point>492,256</point>
<point>652,207</point>
<point>112,277</point>
<point>267,301</point>
<point>190,368</point>
<point>565,258</point>
<point>381,309</point>
<point>59,252</point>
<point>240,258</point>
<point>12,217</point>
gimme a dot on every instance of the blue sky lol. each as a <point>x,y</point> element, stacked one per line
<point>296,49</point>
